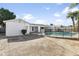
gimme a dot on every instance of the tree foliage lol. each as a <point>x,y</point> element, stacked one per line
<point>72,5</point>
<point>5,14</point>
<point>76,14</point>
<point>72,16</point>
<point>77,18</point>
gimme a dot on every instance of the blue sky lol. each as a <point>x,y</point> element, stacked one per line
<point>41,13</point>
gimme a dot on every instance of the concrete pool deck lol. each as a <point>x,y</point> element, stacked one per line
<point>40,46</point>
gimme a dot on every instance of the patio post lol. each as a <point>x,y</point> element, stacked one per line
<point>28,29</point>
<point>39,29</point>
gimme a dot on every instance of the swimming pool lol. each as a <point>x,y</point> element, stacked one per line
<point>61,33</point>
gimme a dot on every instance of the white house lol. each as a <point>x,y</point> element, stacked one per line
<point>14,27</point>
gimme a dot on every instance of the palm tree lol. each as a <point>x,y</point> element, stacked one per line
<point>78,24</point>
<point>72,5</point>
<point>77,18</point>
<point>72,16</point>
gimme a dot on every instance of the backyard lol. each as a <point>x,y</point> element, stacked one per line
<point>36,45</point>
<point>46,32</point>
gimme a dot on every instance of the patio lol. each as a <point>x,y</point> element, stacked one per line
<point>40,46</point>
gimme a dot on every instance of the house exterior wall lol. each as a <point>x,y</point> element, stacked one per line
<point>14,28</point>
<point>33,28</point>
<point>36,28</point>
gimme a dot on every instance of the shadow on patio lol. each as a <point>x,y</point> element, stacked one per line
<point>24,38</point>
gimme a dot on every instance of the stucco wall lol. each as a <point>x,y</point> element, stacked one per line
<point>14,28</point>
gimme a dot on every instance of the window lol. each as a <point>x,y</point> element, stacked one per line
<point>32,28</point>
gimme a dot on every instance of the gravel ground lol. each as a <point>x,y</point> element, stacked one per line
<point>38,46</point>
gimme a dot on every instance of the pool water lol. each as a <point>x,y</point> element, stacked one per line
<point>60,33</point>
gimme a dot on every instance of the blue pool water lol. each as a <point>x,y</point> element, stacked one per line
<point>60,33</point>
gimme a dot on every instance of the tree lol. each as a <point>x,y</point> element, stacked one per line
<point>72,5</point>
<point>5,14</point>
<point>72,16</point>
<point>77,18</point>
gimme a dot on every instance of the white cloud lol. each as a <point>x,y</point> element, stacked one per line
<point>57,15</point>
<point>68,22</point>
<point>39,21</point>
<point>47,8</point>
<point>66,10</point>
<point>58,22</point>
<point>32,19</point>
<point>17,16</point>
<point>74,9</point>
<point>28,16</point>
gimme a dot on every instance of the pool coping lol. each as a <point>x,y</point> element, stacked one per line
<point>63,37</point>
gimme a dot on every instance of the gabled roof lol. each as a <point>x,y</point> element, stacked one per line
<point>16,20</point>
<point>38,24</point>
<point>23,21</point>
